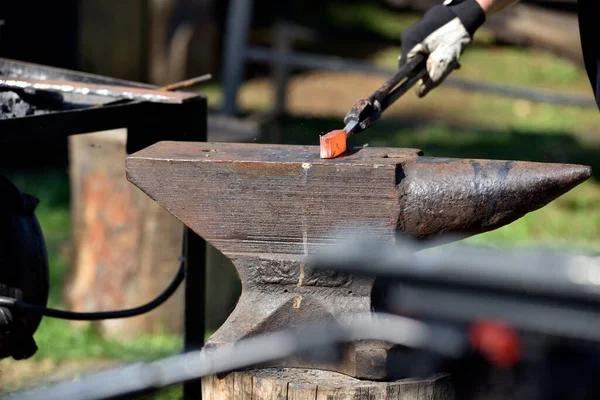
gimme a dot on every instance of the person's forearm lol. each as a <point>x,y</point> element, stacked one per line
<point>491,7</point>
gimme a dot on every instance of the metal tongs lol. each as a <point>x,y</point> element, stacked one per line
<point>366,111</point>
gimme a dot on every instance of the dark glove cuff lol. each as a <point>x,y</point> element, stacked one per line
<point>470,14</point>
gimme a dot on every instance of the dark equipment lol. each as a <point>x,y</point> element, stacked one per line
<point>23,270</point>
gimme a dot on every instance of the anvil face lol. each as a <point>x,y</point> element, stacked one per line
<point>267,207</point>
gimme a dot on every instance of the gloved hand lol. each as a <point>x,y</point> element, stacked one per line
<point>443,34</point>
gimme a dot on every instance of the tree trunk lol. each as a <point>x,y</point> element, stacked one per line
<point>125,245</point>
<point>297,384</point>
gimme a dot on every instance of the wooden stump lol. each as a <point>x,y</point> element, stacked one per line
<point>126,246</point>
<point>299,384</point>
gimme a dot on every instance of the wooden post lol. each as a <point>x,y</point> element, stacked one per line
<point>300,384</point>
<point>126,246</point>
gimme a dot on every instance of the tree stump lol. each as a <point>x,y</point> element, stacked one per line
<point>299,384</point>
<point>126,246</point>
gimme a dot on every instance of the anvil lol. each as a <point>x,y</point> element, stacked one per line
<point>266,207</point>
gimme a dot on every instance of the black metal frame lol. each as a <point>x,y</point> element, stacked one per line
<point>146,124</point>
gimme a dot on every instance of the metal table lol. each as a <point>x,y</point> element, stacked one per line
<point>181,117</point>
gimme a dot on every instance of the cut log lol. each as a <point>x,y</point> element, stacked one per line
<point>126,246</point>
<point>301,384</point>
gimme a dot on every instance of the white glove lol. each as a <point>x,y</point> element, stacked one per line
<point>443,34</point>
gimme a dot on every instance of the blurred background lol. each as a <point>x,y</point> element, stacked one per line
<point>285,72</point>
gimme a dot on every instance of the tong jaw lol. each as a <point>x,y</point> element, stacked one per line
<point>366,111</point>
<point>362,114</point>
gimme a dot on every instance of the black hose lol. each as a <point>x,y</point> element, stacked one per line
<point>94,316</point>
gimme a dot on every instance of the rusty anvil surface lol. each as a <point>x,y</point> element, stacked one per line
<point>266,207</point>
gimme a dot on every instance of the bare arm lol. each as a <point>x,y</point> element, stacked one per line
<point>491,7</point>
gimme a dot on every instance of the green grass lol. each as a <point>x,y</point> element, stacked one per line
<point>522,66</point>
<point>75,343</point>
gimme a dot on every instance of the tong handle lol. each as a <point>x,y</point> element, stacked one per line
<point>412,70</point>
<point>366,111</point>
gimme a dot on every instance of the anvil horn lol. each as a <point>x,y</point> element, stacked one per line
<point>474,196</point>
